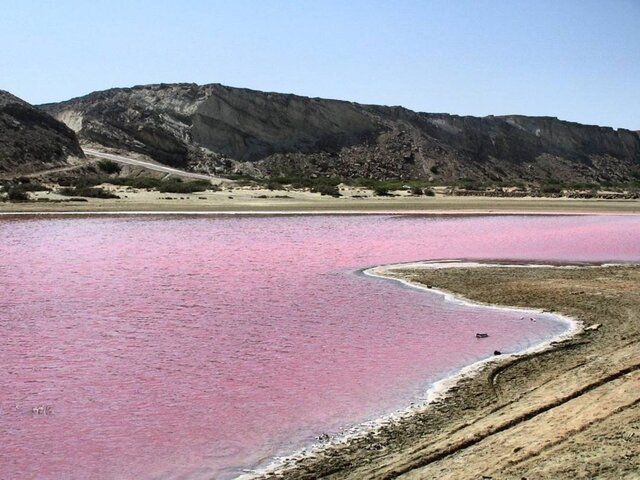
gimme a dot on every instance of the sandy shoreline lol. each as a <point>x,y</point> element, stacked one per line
<point>284,213</point>
<point>262,201</point>
<point>425,441</point>
<point>439,389</point>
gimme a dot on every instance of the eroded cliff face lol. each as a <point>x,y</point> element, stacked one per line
<point>222,129</point>
<point>32,140</point>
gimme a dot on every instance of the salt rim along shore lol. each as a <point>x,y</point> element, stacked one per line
<point>441,388</point>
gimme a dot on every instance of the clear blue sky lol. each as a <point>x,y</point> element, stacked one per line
<point>575,59</point>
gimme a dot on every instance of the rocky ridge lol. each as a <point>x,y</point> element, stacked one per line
<point>32,140</point>
<point>219,129</point>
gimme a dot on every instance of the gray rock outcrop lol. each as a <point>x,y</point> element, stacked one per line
<point>32,140</point>
<point>225,130</point>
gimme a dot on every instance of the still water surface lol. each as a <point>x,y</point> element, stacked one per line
<point>193,347</point>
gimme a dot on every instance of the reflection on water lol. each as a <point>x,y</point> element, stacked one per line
<point>192,347</point>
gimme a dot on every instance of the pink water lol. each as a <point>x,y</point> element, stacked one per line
<point>193,347</point>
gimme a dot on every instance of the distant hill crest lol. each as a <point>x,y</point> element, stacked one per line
<point>222,129</point>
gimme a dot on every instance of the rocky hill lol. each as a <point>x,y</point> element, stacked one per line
<point>32,140</point>
<point>224,130</point>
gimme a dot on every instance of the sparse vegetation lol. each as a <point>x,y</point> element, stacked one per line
<point>551,188</point>
<point>109,166</point>
<point>273,185</point>
<point>326,189</point>
<point>16,194</point>
<point>171,185</point>
<point>91,192</point>
<point>17,190</point>
<point>28,186</point>
<point>178,186</point>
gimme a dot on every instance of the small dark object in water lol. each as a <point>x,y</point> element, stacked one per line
<point>497,352</point>
<point>323,437</point>
<point>429,286</point>
<point>482,335</point>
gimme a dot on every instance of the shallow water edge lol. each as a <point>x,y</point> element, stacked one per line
<point>440,389</point>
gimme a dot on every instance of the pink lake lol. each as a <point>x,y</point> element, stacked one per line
<point>193,347</point>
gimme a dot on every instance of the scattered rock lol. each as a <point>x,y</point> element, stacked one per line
<point>593,327</point>
<point>42,410</point>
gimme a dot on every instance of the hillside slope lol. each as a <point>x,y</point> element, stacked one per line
<point>32,140</point>
<point>224,130</point>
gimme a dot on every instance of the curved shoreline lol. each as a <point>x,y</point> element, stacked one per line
<point>439,389</point>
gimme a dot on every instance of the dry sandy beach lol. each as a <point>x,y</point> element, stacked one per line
<point>569,411</point>
<point>236,199</point>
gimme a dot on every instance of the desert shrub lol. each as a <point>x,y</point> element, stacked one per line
<point>109,166</point>
<point>551,188</point>
<point>307,182</point>
<point>16,194</point>
<point>325,189</point>
<point>178,186</point>
<point>273,185</point>
<point>85,181</point>
<point>381,191</point>
<point>240,177</point>
<point>91,192</point>
<point>148,183</point>
<point>417,191</point>
<point>583,185</point>
<point>429,192</point>
<point>469,184</point>
<point>31,186</point>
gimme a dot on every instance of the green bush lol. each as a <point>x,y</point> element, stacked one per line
<point>109,166</point>
<point>381,191</point>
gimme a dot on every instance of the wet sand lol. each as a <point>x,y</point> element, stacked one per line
<point>569,411</point>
